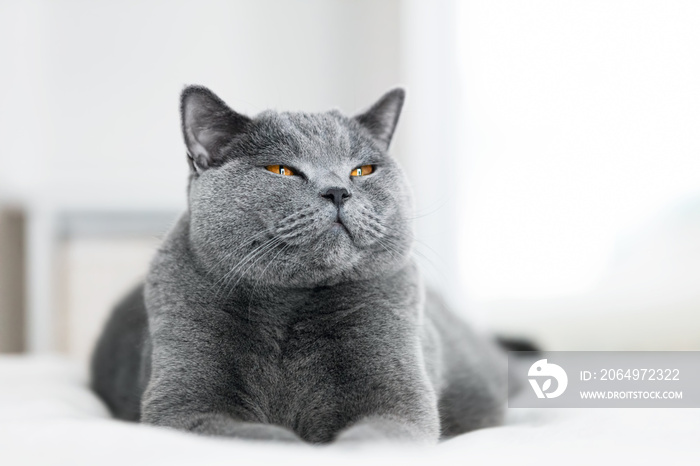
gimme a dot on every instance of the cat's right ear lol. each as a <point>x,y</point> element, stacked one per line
<point>381,119</point>
<point>208,125</point>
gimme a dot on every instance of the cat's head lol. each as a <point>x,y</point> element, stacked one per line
<point>295,199</point>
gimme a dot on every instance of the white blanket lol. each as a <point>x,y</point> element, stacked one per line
<point>49,416</point>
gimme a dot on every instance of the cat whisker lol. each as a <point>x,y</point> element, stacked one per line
<point>270,247</point>
<point>229,254</point>
<point>251,256</point>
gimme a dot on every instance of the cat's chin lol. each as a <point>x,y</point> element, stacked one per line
<point>336,241</point>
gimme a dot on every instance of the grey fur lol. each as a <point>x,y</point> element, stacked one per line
<point>270,313</point>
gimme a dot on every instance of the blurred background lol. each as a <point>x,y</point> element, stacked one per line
<point>552,147</point>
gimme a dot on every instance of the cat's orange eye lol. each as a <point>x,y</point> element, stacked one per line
<point>280,170</point>
<point>362,171</point>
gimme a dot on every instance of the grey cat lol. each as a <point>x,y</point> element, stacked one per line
<point>284,304</point>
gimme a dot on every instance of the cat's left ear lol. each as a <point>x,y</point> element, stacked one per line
<point>208,125</point>
<point>381,119</point>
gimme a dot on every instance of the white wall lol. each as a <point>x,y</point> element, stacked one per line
<point>429,138</point>
<point>582,125</point>
<point>582,201</point>
<point>89,90</point>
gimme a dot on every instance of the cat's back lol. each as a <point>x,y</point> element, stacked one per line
<point>467,369</point>
<point>119,363</point>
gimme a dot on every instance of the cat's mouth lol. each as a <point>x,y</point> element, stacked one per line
<point>339,227</point>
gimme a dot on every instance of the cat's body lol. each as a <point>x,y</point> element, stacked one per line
<point>290,308</point>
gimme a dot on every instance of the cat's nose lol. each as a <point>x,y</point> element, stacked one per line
<point>336,195</point>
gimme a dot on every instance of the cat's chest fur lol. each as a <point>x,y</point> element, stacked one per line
<point>300,359</point>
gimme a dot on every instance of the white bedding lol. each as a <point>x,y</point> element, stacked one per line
<point>48,416</point>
